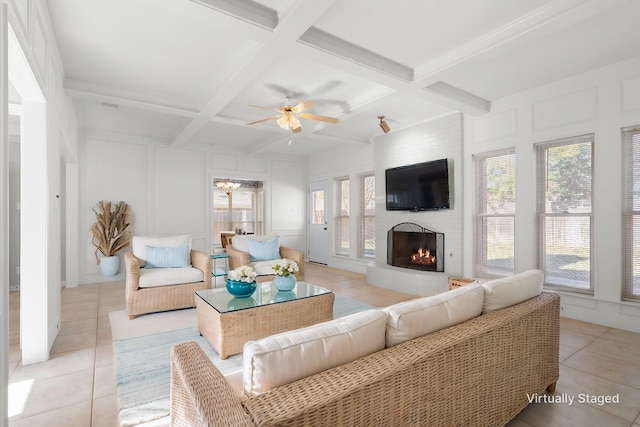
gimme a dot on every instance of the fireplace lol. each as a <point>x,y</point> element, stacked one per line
<point>412,246</point>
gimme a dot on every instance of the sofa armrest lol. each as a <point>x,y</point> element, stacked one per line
<point>199,393</point>
<point>132,271</point>
<point>237,258</point>
<point>202,262</point>
<point>294,255</point>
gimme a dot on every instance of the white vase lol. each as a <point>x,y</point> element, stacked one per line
<point>109,265</point>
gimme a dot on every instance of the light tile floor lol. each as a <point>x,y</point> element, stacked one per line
<point>76,386</point>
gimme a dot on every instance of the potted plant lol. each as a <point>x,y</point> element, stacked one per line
<point>110,234</point>
<point>284,279</point>
<point>241,282</point>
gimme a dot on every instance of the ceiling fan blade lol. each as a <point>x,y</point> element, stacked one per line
<point>303,106</point>
<point>319,118</point>
<point>297,130</point>
<point>264,120</point>
<point>277,110</point>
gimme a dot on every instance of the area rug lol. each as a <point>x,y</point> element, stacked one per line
<point>141,357</point>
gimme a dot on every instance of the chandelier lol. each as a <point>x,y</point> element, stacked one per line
<point>228,186</point>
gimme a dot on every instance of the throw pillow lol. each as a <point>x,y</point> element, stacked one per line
<point>287,357</point>
<point>264,251</point>
<point>508,291</point>
<point>415,318</point>
<point>171,256</point>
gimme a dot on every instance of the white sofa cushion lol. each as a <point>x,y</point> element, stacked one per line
<point>139,243</point>
<point>411,319</point>
<point>511,290</point>
<point>152,277</point>
<point>239,242</point>
<point>290,356</point>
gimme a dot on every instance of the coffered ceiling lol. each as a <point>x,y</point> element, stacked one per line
<point>183,73</point>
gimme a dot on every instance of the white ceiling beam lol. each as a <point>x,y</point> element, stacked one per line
<point>247,10</point>
<point>285,35</point>
<point>84,90</point>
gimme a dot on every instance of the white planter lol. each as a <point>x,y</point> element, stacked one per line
<point>110,265</point>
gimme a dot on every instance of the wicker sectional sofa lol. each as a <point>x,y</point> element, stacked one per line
<point>475,373</point>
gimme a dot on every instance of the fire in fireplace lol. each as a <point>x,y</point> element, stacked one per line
<point>411,246</point>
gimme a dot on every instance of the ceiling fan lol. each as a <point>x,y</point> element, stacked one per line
<point>289,114</point>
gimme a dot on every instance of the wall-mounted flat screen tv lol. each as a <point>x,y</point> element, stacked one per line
<point>418,187</point>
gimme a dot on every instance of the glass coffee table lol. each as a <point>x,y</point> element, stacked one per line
<point>228,322</point>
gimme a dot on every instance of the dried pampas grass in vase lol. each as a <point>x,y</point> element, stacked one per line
<point>110,231</point>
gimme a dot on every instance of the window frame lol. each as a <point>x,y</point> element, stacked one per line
<point>363,216</point>
<point>340,217</point>
<point>630,136</point>
<point>541,180</point>
<point>481,265</point>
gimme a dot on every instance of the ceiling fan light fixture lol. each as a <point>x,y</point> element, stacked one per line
<point>384,125</point>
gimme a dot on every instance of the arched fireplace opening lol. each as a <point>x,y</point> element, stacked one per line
<point>411,246</point>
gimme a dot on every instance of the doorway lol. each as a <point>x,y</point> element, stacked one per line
<point>237,208</point>
<point>318,229</point>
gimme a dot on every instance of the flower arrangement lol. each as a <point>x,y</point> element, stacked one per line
<point>285,268</point>
<point>243,273</point>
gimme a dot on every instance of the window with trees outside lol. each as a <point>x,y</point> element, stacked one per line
<point>631,228</point>
<point>495,212</point>
<point>565,216</point>
<point>367,216</point>
<point>342,216</point>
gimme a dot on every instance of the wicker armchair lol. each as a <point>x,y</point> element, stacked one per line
<point>238,257</point>
<point>164,297</point>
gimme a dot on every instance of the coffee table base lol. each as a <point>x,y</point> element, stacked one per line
<point>227,332</point>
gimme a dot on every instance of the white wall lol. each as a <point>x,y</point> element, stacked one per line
<point>169,192</point>
<point>433,140</point>
<point>601,102</point>
<point>35,71</point>
<point>437,139</point>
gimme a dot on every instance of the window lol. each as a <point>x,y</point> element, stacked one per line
<point>564,211</point>
<point>342,216</point>
<point>495,212</point>
<point>631,233</point>
<point>367,216</point>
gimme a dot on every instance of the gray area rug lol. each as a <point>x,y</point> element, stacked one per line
<point>143,369</point>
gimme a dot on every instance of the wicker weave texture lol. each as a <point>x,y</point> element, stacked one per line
<point>239,258</point>
<point>477,373</point>
<point>163,298</point>
<point>227,332</point>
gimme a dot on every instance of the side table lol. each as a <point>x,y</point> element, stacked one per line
<point>219,271</point>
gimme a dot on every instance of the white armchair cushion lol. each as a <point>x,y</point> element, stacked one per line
<point>290,356</point>
<point>139,243</point>
<point>411,319</point>
<point>152,277</point>
<point>505,292</point>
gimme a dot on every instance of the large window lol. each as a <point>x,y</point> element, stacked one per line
<point>495,212</point>
<point>631,234</point>
<point>342,216</point>
<point>564,211</point>
<point>367,216</point>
